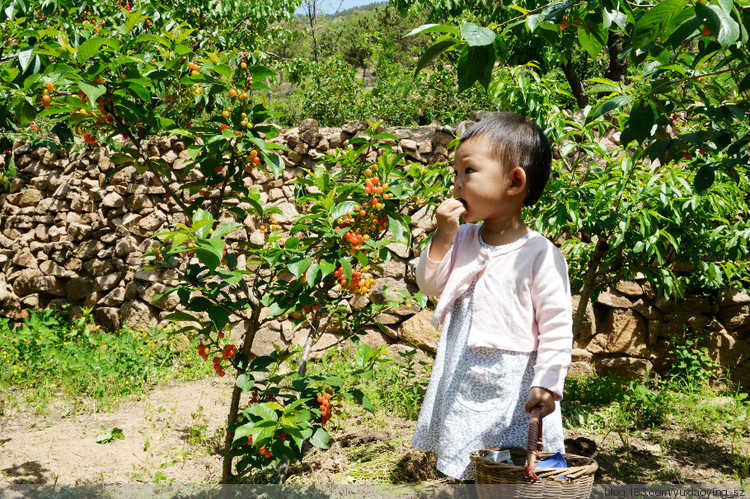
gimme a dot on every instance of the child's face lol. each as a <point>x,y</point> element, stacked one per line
<point>481,181</point>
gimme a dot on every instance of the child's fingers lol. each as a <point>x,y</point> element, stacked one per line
<point>538,397</point>
<point>451,207</point>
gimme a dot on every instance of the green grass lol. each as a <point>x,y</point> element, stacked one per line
<point>52,356</point>
<point>398,384</point>
<point>689,414</point>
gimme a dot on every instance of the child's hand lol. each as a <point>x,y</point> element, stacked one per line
<point>448,216</point>
<point>540,397</point>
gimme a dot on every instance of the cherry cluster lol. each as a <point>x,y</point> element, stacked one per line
<point>127,5</point>
<point>324,400</point>
<point>265,229</point>
<point>226,353</point>
<point>357,285</point>
<point>254,158</point>
<point>46,97</point>
<point>368,222</point>
<point>195,69</point>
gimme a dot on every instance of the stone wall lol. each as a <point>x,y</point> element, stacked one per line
<point>70,234</point>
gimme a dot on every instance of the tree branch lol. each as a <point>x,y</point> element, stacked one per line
<point>703,75</point>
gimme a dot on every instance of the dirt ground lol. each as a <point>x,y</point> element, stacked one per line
<point>171,436</point>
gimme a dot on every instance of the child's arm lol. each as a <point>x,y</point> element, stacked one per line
<point>550,291</point>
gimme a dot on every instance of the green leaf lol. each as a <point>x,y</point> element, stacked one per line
<point>320,438</point>
<point>704,179</point>
<point>292,243</point>
<point>362,355</point>
<point>475,64</point>
<point>120,159</point>
<point>224,229</point>
<point>152,38</point>
<point>687,26</point>
<point>431,28</point>
<point>533,21</point>
<point>260,72</point>
<point>25,56</point>
<point>642,119</point>
<point>208,258</point>
<point>275,162</point>
<point>275,310</point>
<point>654,22</point>
<point>396,228</point>
<point>591,41</point>
<point>223,70</point>
<point>25,112</point>
<point>298,267</point>
<point>609,105</point>
<point>114,434</point>
<point>363,400</point>
<point>312,273</point>
<point>346,267</point>
<point>262,411</point>
<point>341,209</point>
<point>477,36</point>
<point>134,18</point>
<point>93,92</point>
<point>181,317</point>
<point>442,44</point>
<point>744,84</point>
<point>245,382</point>
<point>242,432</point>
<point>327,267</point>
<point>92,46</point>
<point>719,22</point>
<point>140,92</point>
<point>219,316</point>
<point>199,304</point>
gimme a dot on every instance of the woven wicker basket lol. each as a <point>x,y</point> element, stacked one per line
<point>575,481</point>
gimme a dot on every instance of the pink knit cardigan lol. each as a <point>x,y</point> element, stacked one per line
<point>521,298</point>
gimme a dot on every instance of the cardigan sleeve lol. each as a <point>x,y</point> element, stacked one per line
<point>431,275</point>
<point>550,291</point>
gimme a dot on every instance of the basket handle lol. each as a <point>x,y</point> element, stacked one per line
<point>533,444</point>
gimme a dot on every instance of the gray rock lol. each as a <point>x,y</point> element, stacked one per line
<point>135,313</point>
<point>613,299</point>
<point>629,368</point>
<point>418,330</point>
<point>108,318</point>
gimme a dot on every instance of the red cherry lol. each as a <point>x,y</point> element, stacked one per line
<point>686,155</point>
<point>223,126</point>
<point>706,32</point>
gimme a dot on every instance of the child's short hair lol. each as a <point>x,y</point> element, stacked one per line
<point>515,141</point>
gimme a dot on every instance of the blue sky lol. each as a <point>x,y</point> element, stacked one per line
<point>328,6</point>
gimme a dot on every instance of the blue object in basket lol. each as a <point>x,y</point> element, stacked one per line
<point>555,461</point>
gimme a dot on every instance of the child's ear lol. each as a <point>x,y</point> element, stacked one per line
<point>517,181</point>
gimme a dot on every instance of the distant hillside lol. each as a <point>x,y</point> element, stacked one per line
<point>344,13</point>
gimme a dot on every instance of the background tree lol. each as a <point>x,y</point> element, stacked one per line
<point>681,111</point>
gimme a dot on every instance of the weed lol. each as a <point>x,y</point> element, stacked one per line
<point>595,390</point>
<point>397,384</point>
<point>644,407</point>
<point>52,353</point>
<point>694,366</point>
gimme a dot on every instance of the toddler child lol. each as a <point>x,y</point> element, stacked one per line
<point>504,302</point>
